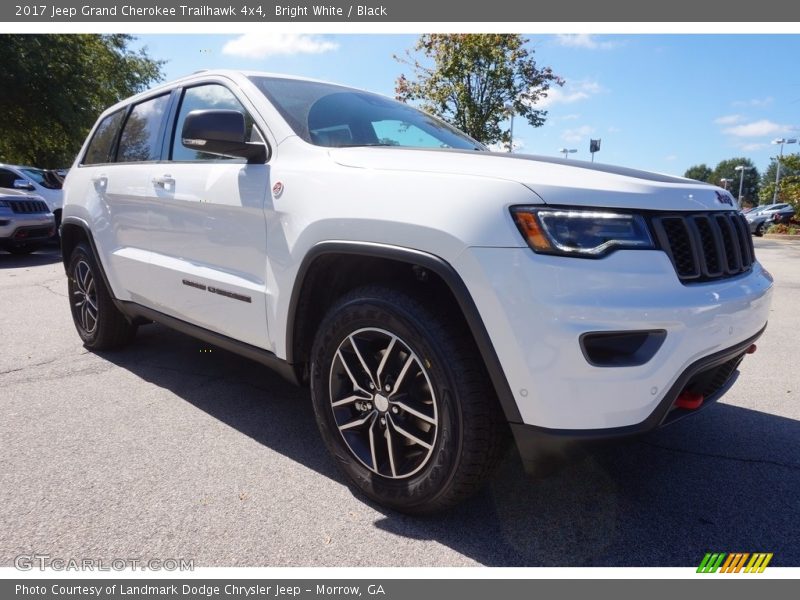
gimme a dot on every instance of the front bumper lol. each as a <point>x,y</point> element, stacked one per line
<point>714,374</point>
<point>18,230</point>
<point>536,308</point>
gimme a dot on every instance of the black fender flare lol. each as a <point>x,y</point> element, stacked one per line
<point>436,265</point>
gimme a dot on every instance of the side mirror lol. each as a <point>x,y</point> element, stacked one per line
<point>22,184</point>
<point>220,132</point>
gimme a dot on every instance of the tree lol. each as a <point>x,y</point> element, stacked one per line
<point>701,172</point>
<point>55,86</point>
<point>788,169</point>
<point>789,190</point>
<point>726,169</point>
<point>469,80</point>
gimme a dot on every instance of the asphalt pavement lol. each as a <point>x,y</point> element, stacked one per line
<point>173,449</point>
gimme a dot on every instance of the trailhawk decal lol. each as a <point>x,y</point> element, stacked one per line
<point>218,291</point>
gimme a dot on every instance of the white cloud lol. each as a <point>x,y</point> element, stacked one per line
<point>613,129</point>
<point>571,92</point>
<point>752,147</point>
<point>584,40</point>
<point>263,45</point>
<point>570,117</point>
<point>671,157</point>
<point>501,147</point>
<point>757,102</point>
<point>729,120</point>
<point>761,128</point>
<point>577,134</point>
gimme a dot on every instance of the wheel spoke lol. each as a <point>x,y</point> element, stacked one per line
<point>372,445</point>
<point>361,360</point>
<point>91,302</point>
<point>402,374</point>
<point>356,387</point>
<point>415,412</point>
<point>84,278</point>
<point>356,423</point>
<point>389,448</point>
<point>349,400</point>
<point>410,436</point>
<point>384,358</point>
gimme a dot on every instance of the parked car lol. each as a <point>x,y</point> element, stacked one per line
<point>25,221</point>
<point>784,214</point>
<point>433,295</point>
<point>762,217</point>
<point>44,183</point>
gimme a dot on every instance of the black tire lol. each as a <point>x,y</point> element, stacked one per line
<point>446,380</point>
<point>759,230</point>
<point>98,321</point>
<point>23,249</point>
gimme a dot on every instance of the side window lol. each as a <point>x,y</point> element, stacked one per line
<point>7,178</point>
<point>102,144</point>
<point>204,97</point>
<point>140,139</point>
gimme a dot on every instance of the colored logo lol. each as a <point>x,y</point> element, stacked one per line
<point>734,562</point>
<point>724,198</point>
<point>277,189</point>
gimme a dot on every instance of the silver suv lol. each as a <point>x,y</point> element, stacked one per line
<point>25,221</point>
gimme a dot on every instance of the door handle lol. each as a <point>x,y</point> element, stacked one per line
<point>165,181</point>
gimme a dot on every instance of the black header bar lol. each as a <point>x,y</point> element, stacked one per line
<point>394,11</point>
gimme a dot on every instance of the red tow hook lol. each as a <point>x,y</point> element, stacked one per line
<point>751,349</point>
<point>689,401</point>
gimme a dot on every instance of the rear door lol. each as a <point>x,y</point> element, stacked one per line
<point>208,230</point>
<point>126,188</point>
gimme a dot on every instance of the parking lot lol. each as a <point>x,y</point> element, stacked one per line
<point>173,449</point>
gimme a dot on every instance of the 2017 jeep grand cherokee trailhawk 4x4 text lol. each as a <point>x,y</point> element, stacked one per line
<point>434,295</point>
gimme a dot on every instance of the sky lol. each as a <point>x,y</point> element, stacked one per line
<point>658,102</point>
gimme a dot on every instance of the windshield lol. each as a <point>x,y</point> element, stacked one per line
<point>46,179</point>
<point>330,115</point>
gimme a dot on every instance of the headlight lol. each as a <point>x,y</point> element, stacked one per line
<point>583,233</point>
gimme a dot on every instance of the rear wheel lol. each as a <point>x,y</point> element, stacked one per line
<point>760,230</point>
<point>98,321</point>
<point>403,401</point>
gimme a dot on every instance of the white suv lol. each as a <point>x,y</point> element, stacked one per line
<point>432,294</point>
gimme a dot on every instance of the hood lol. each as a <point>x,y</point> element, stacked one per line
<point>556,181</point>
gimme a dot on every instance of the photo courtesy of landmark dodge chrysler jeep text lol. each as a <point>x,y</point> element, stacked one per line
<point>438,299</point>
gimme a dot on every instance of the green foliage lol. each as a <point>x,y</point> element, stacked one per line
<point>726,169</point>
<point>701,172</point>
<point>789,190</point>
<point>55,86</point>
<point>469,79</point>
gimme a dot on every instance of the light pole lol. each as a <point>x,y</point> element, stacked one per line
<point>741,169</point>
<point>780,141</point>
<point>510,113</point>
<point>725,181</point>
<point>567,151</point>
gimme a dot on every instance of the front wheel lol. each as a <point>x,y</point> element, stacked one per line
<point>403,401</point>
<point>759,230</point>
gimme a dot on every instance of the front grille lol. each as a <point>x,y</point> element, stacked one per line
<point>706,246</point>
<point>28,206</point>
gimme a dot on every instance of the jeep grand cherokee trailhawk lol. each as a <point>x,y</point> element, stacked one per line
<point>435,296</point>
